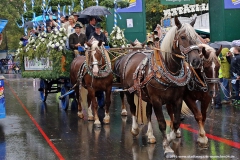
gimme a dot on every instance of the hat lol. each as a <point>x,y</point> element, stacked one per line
<point>98,25</point>
<point>74,14</point>
<point>77,25</point>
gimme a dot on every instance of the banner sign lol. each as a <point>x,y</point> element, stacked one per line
<point>186,9</point>
<point>135,6</point>
<point>2,99</point>
<point>231,4</point>
<point>176,2</point>
<point>35,64</point>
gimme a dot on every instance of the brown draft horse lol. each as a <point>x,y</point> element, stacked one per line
<point>160,84</point>
<point>202,90</point>
<point>93,72</point>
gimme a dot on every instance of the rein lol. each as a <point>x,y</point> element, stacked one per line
<point>177,55</point>
<point>207,80</point>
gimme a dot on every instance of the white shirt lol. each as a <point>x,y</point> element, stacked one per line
<point>70,30</point>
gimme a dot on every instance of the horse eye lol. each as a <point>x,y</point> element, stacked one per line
<point>183,37</point>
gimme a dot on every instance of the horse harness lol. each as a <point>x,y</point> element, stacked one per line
<point>104,70</point>
<point>201,84</point>
<point>86,68</point>
<point>158,71</point>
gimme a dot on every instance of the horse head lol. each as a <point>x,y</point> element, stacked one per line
<point>210,67</point>
<point>182,40</point>
<point>137,44</point>
<point>95,58</point>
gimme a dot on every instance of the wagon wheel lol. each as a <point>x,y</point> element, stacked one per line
<point>43,90</point>
<point>65,100</point>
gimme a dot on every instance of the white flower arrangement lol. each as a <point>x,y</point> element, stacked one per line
<point>117,37</point>
<point>57,39</point>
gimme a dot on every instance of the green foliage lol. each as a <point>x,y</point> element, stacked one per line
<point>107,3</point>
<point>56,72</point>
<point>123,4</point>
<point>60,2</point>
<point>37,10</point>
<point>110,4</point>
<point>28,14</point>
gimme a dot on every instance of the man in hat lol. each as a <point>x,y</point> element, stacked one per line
<point>91,27</point>
<point>77,39</point>
<point>98,35</point>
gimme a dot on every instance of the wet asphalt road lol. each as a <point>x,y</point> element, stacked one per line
<point>63,135</point>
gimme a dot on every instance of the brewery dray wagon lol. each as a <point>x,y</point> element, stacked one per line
<point>44,57</point>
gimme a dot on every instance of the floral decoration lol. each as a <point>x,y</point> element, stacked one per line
<point>117,37</point>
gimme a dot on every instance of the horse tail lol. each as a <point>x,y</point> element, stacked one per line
<point>185,110</point>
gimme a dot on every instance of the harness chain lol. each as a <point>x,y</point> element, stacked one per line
<point>102,72</point>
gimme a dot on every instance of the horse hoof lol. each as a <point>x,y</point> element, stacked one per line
<point>135,132</point>
<point>91,118</point>
<point>106,121</point>
<point>80,115</point>
<point>97,125</point>
<point>151,140</point>
<point>202,142</point>
<point>170,155</point>
<point>202,146</point>
<point>124,113</point>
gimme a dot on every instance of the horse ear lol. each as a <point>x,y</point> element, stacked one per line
<point>133,44</point>
<point>144,43</point>
<point>193,22</point>
<point>177,22</point>
<point>205,53</point>
<point>100,43</point>
<point>89,44</point>
<point>219,51</point>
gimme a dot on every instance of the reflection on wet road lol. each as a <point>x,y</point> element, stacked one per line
<point>79,139</point>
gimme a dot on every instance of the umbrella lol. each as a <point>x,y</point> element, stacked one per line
<point>96,11</point>
<point>224,44</point>
<point>40,18</point>
<point>29,24</point>
<point>235,43</point>
<point>84,19</point>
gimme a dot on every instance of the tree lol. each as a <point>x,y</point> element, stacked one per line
<point>10,10</point>
<point>154,13</point>
<point>13,9</point>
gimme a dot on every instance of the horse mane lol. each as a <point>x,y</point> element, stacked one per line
<point>94,45</point>
<point>210,50</point>
<point>167,43</point>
